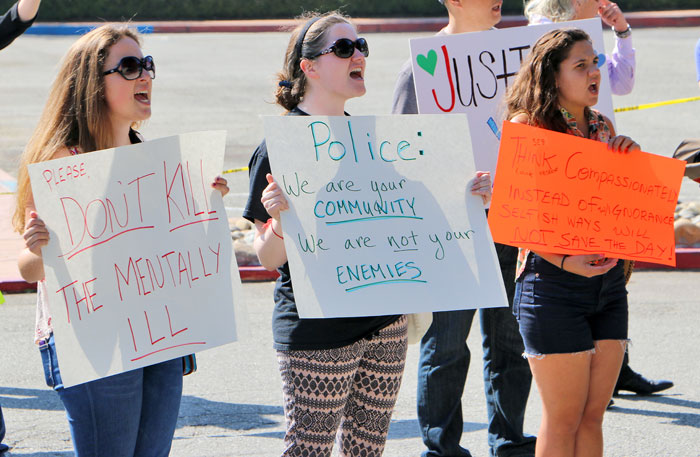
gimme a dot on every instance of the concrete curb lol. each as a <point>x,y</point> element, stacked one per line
<point>640,19</point>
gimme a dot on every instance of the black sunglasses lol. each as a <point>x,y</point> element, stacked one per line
<point>132,67</point>
<point>345,48</point>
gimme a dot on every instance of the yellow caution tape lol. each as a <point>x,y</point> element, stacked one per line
<point>232,170</point>
<point>235,170</point>
<point>657,104</point>
<point>617,110</point>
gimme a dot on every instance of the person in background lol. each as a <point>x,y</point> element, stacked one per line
<point>571,309</point>
<point>13,23</point>
<point>444,355</point>
<point>101,94</point>
<point>621,65</point>
<point>621,62</point>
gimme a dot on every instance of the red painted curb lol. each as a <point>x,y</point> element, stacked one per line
<point>364,25</point>
<point>16,285</point>
<point>640,19</point>
<point>686,259</point>
<point>256,273</point>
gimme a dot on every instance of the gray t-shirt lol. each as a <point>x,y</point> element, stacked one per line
<point>404,99</point>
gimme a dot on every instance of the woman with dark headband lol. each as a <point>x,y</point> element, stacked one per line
<point>340,376</point>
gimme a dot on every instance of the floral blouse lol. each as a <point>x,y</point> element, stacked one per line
<point>598,130</point>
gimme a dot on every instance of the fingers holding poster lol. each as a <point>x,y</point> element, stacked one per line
<point>137,238</point>
<point>381,218</point>
<point>563,194</point>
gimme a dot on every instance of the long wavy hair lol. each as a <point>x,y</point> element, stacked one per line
<point>76,114</point>
<point>534,91</point>
<point>292,80</point>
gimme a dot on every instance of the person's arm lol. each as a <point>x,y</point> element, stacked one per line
<point>265,201</point>
<point>404,98</point>
<point>17,19</point>
<point>30,261</point>
<point>27,9</point>
<point>621,63</point>
<point>269,241</point>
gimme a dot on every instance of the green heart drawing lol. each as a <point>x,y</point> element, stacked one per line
<point>429,62</point>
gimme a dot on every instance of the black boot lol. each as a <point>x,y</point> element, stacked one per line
<point>632,381</point>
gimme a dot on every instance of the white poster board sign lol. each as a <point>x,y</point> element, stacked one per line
<point>139,268</point>
<point>470,73</point>
<point>381,219</point>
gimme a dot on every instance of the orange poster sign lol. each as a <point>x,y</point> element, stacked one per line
<point>564,194</point>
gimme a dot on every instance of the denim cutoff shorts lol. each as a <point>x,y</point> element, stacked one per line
<point>560,312</point>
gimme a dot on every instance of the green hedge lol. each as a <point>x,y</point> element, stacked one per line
<point>138,10</point>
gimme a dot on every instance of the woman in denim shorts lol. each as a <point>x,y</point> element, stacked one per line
<point>572,310</point>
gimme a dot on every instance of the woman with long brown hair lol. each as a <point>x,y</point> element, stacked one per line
<point>102,92</point>
<point>571,309</point>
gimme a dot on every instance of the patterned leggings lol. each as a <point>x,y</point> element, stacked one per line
<point>348,391</point>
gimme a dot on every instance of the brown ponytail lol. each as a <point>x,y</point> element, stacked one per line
<point>291,85</point>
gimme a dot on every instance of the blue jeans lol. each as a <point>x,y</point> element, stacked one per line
<point>128,414</point>
<point>442,372</point>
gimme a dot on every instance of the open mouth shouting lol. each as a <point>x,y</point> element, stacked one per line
<point>357,74</point>
<point>142,96</point>
<point>593,88</point>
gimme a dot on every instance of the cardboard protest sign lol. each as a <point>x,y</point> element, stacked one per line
<point>381,218</point>
<point>565,194</point>
<point>139,268</point>
<point>470,73</point>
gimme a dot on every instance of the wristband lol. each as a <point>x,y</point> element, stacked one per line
<point>562,261</point>
<point>276,234</point>
<point>269,224</point>
<point>625,33</point>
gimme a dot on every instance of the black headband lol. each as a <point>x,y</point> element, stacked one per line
<point>302,35</point>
